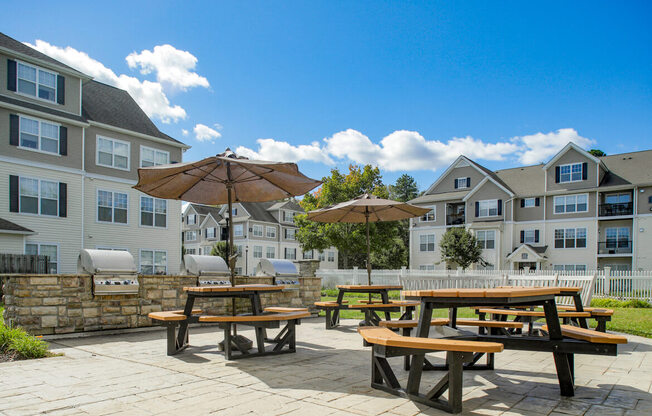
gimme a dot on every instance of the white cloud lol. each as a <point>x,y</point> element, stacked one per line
<point>172,66</point>
<point>149,95</point>
<point>203,133</point>
<point>184,132</point>
<point>409,150</point>
<point>270,149</point>
<point>540,147</point>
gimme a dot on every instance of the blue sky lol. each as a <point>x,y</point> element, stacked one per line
<point>405,85</point>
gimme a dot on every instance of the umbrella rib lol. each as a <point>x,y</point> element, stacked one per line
<point>268,180</point>
<point>199,178</point>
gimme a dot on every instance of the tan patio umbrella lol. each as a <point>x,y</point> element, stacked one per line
<point>225,178</point>
<point>367,208</point>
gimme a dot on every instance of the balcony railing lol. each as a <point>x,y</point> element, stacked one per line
<point>611,210</point>
<point>454,219</point>
<point>615,247</point>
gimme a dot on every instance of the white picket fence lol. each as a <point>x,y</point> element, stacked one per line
<point>623,285</point>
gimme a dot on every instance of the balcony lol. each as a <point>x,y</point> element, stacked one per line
<point>615,247</point>
<point>455,219</point>
<point>616,209</point>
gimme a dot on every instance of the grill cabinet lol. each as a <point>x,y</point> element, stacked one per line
<point>283,271</point>
<point>114,272</point>
<point>210,270</point>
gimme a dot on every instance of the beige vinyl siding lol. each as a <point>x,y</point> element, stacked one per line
<point>644,205</point>
<point>587,256</point>
<point>550,207</point>
<point>71,99</point>
<point>66,232</point>
<point>447,184</point>
<point>528,213</point>
<point>132,236</point>
<point>72,160</point>
<point>642,234</point>
<point>488,191</point>
<point>440,215</point>
<point>572,156</point>
<point>12,243</point>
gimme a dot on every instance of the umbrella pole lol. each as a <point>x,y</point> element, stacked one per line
<point>366,217</point>
<point>229,249</point>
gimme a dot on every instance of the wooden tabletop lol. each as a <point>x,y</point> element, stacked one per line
<point>238,288</point>
<point>565,290</point>
<point>504,292</point>
<point>370,287</point>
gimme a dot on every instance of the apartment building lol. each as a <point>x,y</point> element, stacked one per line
<point>260,230</point>
<point>70,148</point>
<point>575,212</point>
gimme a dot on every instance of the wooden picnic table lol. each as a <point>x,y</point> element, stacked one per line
<point>382,290</point>
<point>563,350</point>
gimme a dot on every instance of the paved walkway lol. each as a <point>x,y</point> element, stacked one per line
<point>329,375</point>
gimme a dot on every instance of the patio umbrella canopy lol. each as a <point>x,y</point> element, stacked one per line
<point>224,179</point>
<point>367,208</point>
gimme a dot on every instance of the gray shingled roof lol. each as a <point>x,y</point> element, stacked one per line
<point>491,173</point>
<point>445,196</point>
<point>207,209</point>
<point>41,108</point>
<point>258,211</point>
<point>624,168</point>
<point>291,204</point>
<point>13,227</point>
<point>16,46</point>
<point>524,181</point>
<point>110,105</point>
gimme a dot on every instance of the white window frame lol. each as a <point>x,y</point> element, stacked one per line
<point>533,234</point>
<point>38,245</point>
<point>308,255</point>
<point>487,202</point>
<point>39,135</point>
<point>268,234</point>
<point>483,237</point>
<point>190,232</point>
<point>286,250</point>
<point>618,235</point>
<point>427,243</point>
<point>569,267</point>
<point>259,227</point>
<point>575,232</point>
<point>459,181</point>
<point>37,83</point>
<point>426,267</point>
<point>97,207</point>
<point>112,166</point>
<point>38,197</point>
<point>563,197</point>
<point>285,214</point>
<point>258,250</point>
<point>331,256</point>
<point>529,202</point>
<point>570,172</point>
<point>271,250</point>
<point>155,152</point>
<point>238,230</point>
<point>194,219</point>
<point>140,213</point>
<point>293,232</point>
<point>425,217</point>
<point>213,230</point>
<point>110,248</point>
<point>190,251</point>
<point>154,265</point>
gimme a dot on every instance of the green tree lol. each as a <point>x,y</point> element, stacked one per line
<point>460,246</point>
<point>597,152</point>
<point>221,249</point>
<point>349,239</point>
<point>404,189</point>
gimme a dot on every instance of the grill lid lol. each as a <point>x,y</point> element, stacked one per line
<point>196,265</point>
<point>276,267</point>
<point>107,262</point>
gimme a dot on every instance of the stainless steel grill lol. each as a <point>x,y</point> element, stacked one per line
<point>210,270</point>
<point>114,271</point>
<point>284,272</point>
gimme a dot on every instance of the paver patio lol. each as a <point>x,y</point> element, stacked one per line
<point>131,374</point>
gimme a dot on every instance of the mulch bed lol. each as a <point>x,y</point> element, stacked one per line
<point>8,356</point>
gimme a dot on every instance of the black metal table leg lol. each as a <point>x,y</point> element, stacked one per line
<point>336,312</point>
<point>182,335</point>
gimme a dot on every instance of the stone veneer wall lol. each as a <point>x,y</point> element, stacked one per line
<point>57,304</point>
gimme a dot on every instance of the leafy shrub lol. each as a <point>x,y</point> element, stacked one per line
<point>613,303</point>
<point>16,342</point>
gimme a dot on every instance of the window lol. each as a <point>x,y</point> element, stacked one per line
<point>50,250</point>
<point>427,242</point>
<point>238,230</point>
<point>569,267</point>
<point>258,252</point>
<point>153,262</point>
<point>153,157</point>
<point>111,207</point>
<point>488,208</point>
<point>529,202</point>
<point>39,135</point>
<point>290,253</point>
<point>308,255</point>
<point>487,239</point>
<point>270,253</point>
<point>570,173</point>
<point>289,233</point>
<point>190,251</point>
<point>191,236</point>
<point>462,183</point>
<point>426,267</point>
<point>234,211</point>
<point>238,249</point>
<point>258,230</point>
<point>210,232</point>
<point>270,232</point>
<point>288,216</point>
<point>570,238</point>
<point>617,237</point>
<point>529,236</point>
<point>38,196</point>
<point>331,256</point>
<point>153,212</point>
<point>191,219</point>
<point>110,248</point>
<point>322,256</point>
<point>571,203</point>
<point>429,216</point>
<point>36,82</point>
<point>112,153</point>
<point>618,198</point>
<point>238,271</point>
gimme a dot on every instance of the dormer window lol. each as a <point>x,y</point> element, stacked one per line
<point>36,82</point>
<point>462,183</point>
<point>191,219</point>
<point>573,172</point>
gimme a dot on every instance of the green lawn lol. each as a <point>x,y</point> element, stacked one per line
<point>635,321</point>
